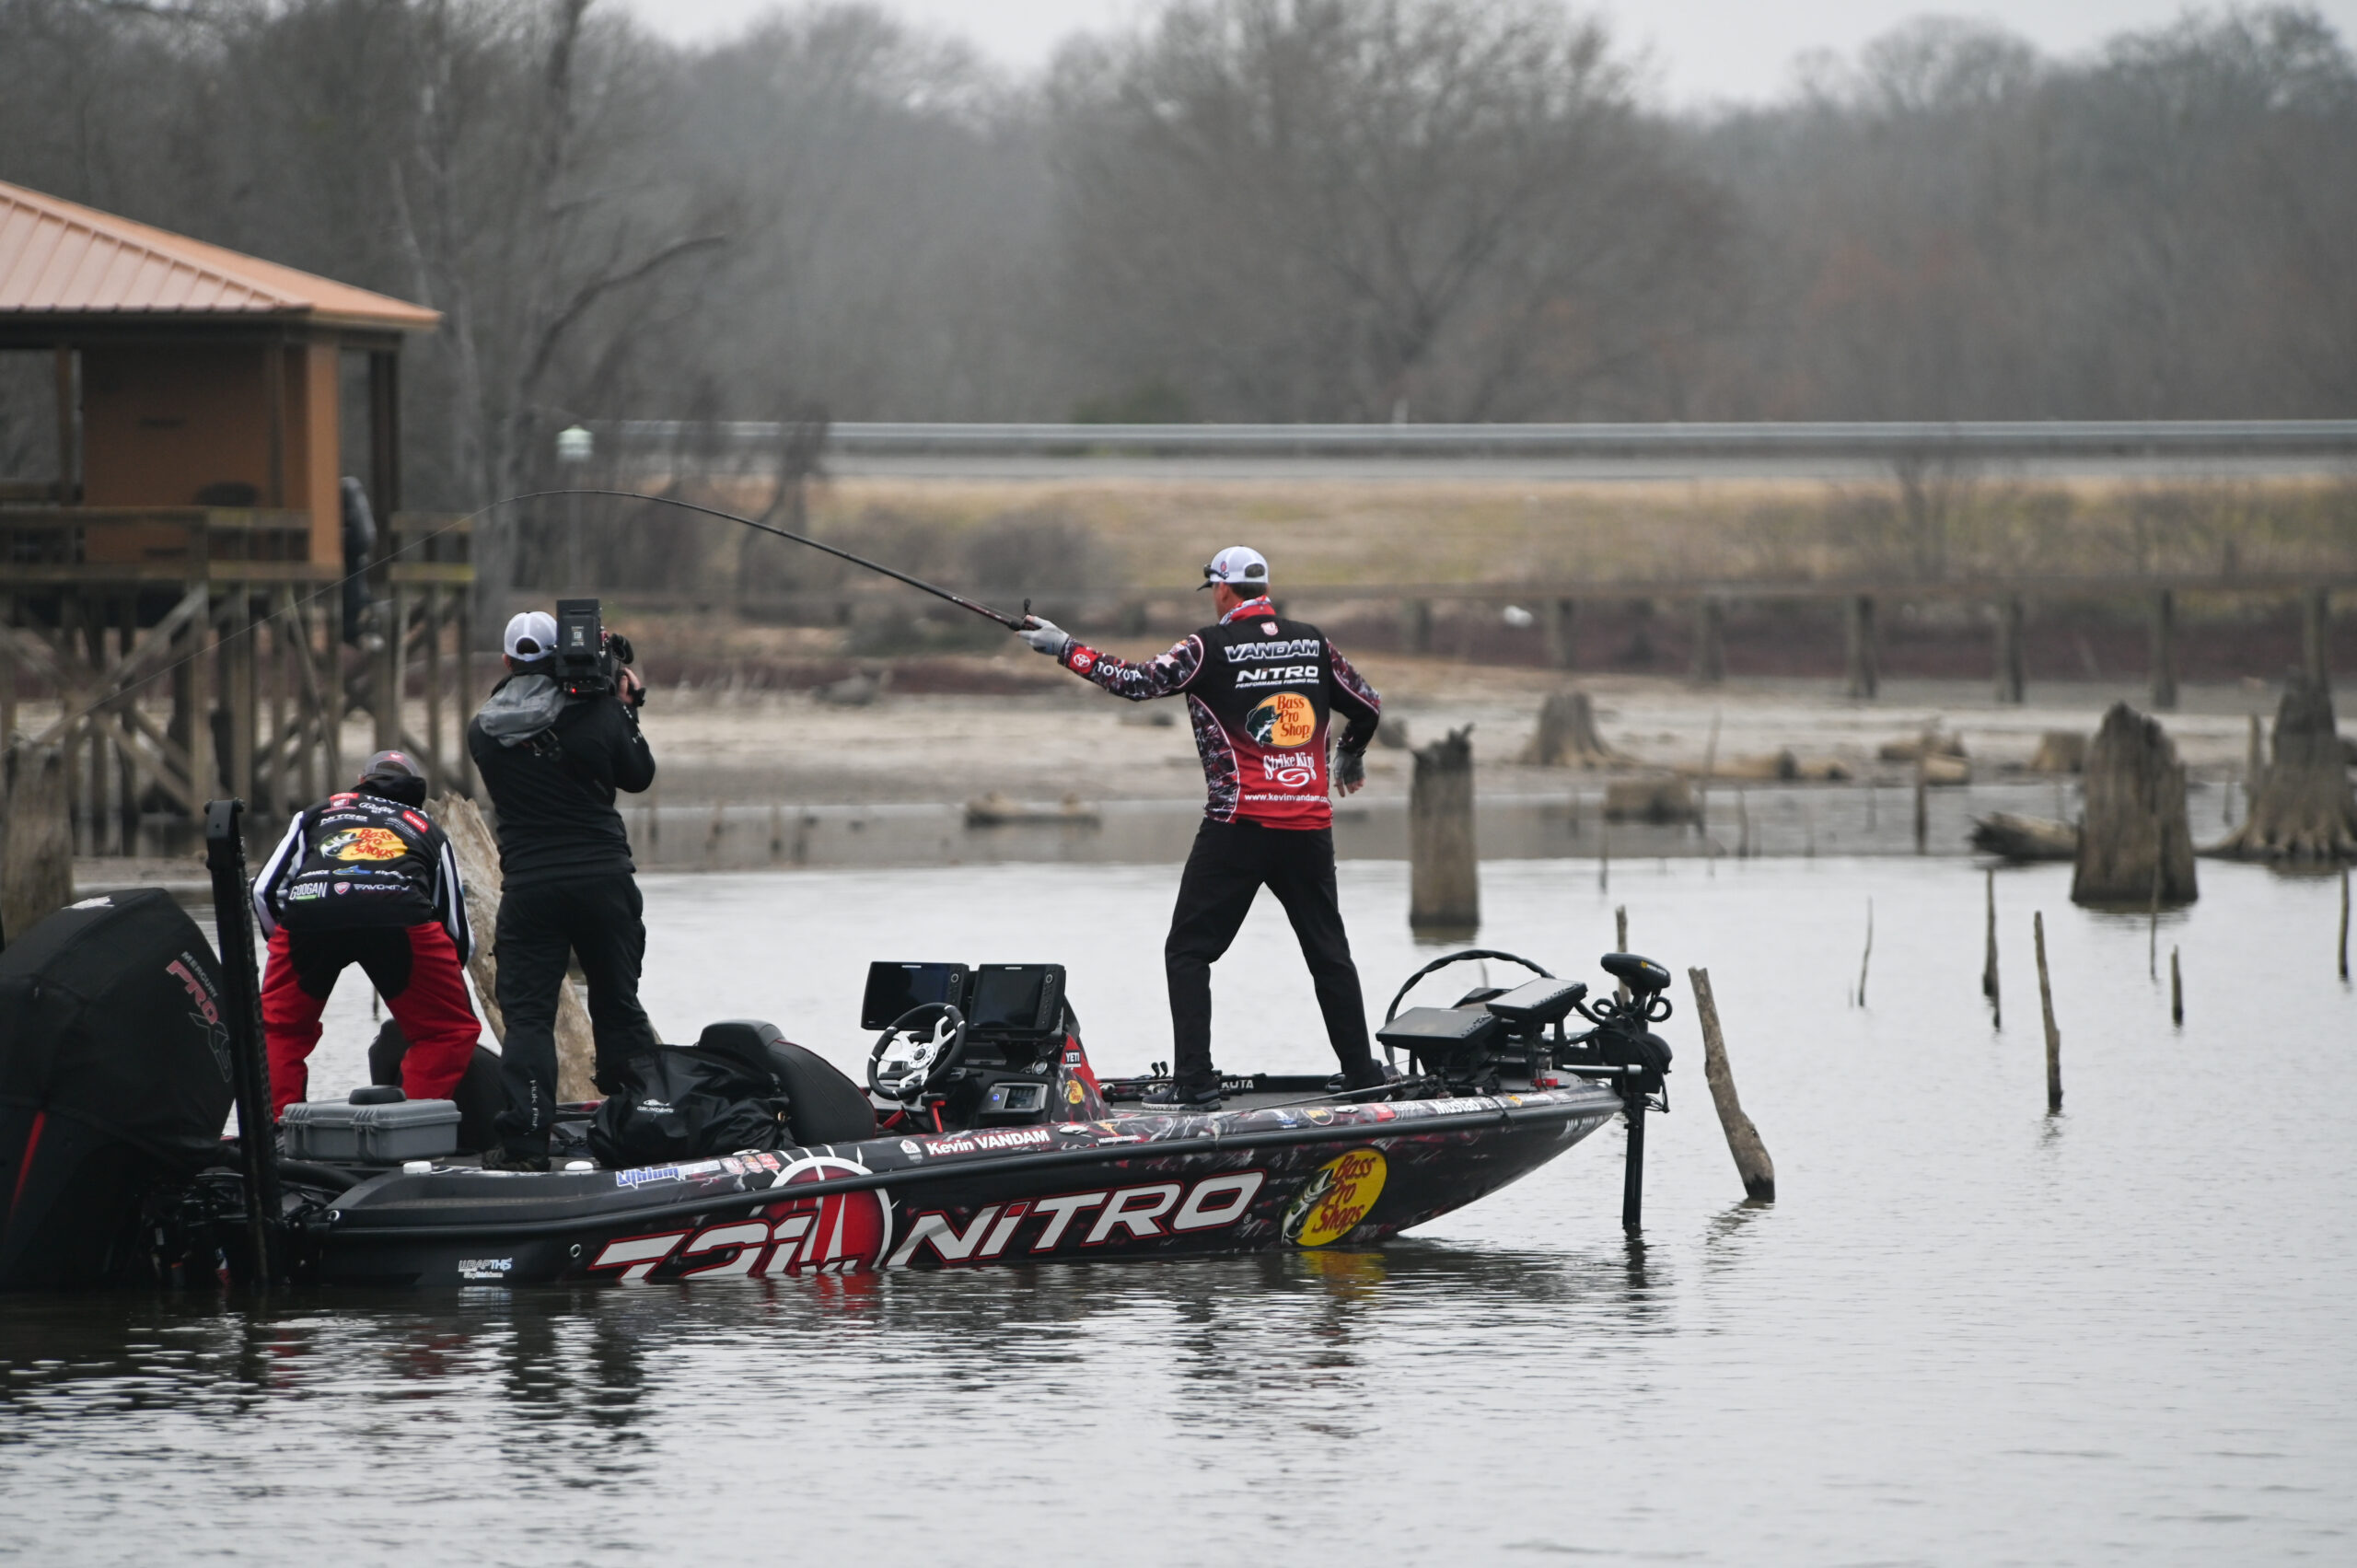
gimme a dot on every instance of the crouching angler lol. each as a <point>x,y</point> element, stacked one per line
<point>552,764</point>
<point>366,877</point>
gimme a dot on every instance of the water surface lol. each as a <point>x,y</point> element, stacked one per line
<point>1967,1332</point>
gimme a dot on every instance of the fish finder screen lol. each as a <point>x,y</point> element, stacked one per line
<point>1015,998</point>
<point>893,989</point>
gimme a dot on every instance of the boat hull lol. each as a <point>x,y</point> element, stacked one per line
<point>1289,1177</point>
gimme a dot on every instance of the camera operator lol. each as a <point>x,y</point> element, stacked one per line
<point>554,741</point>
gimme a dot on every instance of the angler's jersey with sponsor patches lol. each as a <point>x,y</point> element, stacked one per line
<point>1261,691</point>
<point>359,860</point>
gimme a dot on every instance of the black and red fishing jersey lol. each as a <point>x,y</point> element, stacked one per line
<point>1261,691</point>
<point>358,859</point>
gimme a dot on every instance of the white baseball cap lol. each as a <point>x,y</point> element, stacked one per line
<point>1239,566</point>
<point>531,634</point>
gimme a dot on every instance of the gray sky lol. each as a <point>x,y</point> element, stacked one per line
<point>1699,50</point>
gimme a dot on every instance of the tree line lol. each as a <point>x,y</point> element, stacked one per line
<point>1425,210</point>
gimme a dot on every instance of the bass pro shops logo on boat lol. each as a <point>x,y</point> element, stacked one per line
<point>1337,1198</point>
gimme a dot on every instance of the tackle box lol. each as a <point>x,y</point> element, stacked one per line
<point>370,1134</point>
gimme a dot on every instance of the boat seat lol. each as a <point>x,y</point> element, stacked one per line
<point>824,1106</point>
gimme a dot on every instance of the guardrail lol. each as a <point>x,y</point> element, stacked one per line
<point>1896,441</point>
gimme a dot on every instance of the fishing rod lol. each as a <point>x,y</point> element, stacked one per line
<point>1011,622</point>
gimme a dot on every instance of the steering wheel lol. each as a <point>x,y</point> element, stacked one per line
<point>1470,953</point>
<point>930,1053</point>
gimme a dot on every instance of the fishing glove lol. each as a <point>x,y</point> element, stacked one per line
<point>1350,771</point>
<point>1045,636</point>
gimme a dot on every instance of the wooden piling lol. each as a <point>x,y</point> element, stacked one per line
<point>1868,956</point>
<point>1923,797</point>
<point>2315,635</point>
<point>2164,660</point>
<point>1444,880</point>
<point>1709,642</point>
<point>2176,991</point>
<point>1416,625</point>
<point>2011,685</point>
<point>2135,818</point>
<point>1865,675</point>
<point>1620,944</point>
<point>1989,986</point>
<point>1562,622</point>
<point>1751,1161</point>
<point>36,838</point>
<point>2046,1004</point>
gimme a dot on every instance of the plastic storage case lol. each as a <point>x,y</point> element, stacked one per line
<point>371,1135</point>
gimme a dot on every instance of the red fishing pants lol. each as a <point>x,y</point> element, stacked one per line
<point>415,969</point>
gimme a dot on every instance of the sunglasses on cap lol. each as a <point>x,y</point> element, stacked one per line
<point>1254,572</point>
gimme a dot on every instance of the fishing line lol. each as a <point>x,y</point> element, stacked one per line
<point>1011,622</point>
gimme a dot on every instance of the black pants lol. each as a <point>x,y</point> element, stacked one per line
<point>1228,866</point>
<point>597,919</point>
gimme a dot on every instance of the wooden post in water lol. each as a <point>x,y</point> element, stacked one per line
<point>2010,685</point>
<point>1562,622</point>
<point>36,838</point>
<point>477,855</point>
<point>2134,826</point>
<point>1620,944</point>
<point>1444,880</point>
<point>2046,1004</point>
<point>2164,661</point>
<point>1751,1161</point>
<point>1868,956</point>
<point>1923,796</point>
<point>2176,991</point>
<point>1709,642</point>
<point>1865,676</point>
<point>2344,923</point>
<point>1989,961</point>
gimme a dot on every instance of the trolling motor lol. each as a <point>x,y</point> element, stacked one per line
<point>1489,1028</point>
<point>1622,1052</point>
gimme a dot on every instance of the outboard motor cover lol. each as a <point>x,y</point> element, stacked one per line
<point>115,1074</point>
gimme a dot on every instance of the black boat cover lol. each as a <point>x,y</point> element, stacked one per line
<point>113,1015</point>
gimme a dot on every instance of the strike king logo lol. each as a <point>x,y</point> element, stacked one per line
<point>831,1233</point>
<point>1297,771</point>
<point>1285,720</point>
<point>365,844</point>
<point>1336,1199</point>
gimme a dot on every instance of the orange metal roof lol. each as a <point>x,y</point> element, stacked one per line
<point>59,258</point>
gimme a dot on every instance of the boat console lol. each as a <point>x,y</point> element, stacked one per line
<point>975,1046</point>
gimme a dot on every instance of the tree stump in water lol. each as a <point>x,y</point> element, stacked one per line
<point>2301,807</point>
<point>1443,884</point>
<point>1567,737</point>
<point>2136,826</point>
<point>477,853</point>
<point>36,839</point>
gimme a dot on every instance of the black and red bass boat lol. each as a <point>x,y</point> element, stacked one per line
<point>983,1136</point>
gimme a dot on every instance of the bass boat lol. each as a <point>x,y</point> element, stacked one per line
<point>983,1136</point>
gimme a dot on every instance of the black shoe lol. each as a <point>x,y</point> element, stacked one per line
<point>501,1157</point>
<point>1177,1096</point>
<point>1368,1075</point>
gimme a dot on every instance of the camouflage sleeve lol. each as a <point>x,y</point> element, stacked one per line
<point>1348,693</point>
<point>1164,676</point>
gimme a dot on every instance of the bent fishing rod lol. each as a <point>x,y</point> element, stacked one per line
<point>1011,622</point>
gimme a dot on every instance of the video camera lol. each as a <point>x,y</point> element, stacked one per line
<point>588,658</point>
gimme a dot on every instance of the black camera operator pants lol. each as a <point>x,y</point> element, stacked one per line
<point>599,920</point>
<point>1228,866</point>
